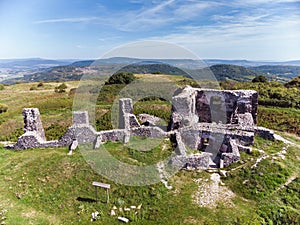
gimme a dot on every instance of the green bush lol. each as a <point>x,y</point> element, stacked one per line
<point>109,93</point>
<point>293,83</point>
<point>260,78</point>
<point>121,78</point>
<point>269,93</point>
<point>33,88</point>
<point>3,108</point>
<point>281,119</point>
<point>61,88</point>
<point>1,87</point>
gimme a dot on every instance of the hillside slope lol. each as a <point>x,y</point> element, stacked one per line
<point>46,186</point>
<point>238,73</point>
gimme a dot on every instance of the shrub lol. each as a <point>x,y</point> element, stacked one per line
<point>1,87</point>
<point>61,88</point>
<point>40,84</point>
<point>3,108</point>
<point>33,88</point>
<point>121,78</point>
<point>293,83</point>
<point>260,79</point>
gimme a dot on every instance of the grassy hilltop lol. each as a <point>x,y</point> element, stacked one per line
<point>45,186</point>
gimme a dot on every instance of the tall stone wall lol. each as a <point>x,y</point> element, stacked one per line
<point>194,105</point>
<point>214,121</point>
<point>126,117</point>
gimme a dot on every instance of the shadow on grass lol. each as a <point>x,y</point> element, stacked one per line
<point>86,200</point>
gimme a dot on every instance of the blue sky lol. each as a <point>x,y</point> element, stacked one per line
<point>237,29</point>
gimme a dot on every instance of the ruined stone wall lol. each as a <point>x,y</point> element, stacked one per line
<point>217,123</point>
<point>194,105</point>
<point>82,131</point>
<point>126,117</point>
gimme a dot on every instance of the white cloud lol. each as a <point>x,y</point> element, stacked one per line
<point>259,37</point>
<point>254,2</point>
<point>186,11</point>
<point>240,26</point>
<point>68,20</point>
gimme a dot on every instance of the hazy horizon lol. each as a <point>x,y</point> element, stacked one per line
<point>79,59</point>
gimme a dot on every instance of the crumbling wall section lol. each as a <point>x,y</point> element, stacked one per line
<point>233,156</point>
<point>82,131</point>
<point>32,122</point>
<point>194,105</point>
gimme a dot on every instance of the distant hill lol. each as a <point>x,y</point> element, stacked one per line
<point>154,68</point>
<point>223,69</point>
<point>60,73</point>
<point>248,63</point>
<point>32,63</point>
<point>238,73</point>
<point>288,72</point>
<point>76,70</point>
<point>83,63</point>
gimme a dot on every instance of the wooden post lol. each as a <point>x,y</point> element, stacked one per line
<point>106,186</point>
<point>96,193</point>
<point>107,196</point>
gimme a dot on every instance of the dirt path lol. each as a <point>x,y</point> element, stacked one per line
<point>163,175</point>
<point>289,180</point>
<point>211,191</point>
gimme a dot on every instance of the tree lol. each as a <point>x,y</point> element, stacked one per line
<point>260,79</point>
<point>121,78</point>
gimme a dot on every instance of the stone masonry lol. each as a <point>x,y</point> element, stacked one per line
<point>217,124</point>
<point>32,122</point>
<point>82,131</point>
<point>214,121</point>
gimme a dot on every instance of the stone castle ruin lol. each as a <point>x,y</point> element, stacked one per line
<point>217,124</point>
